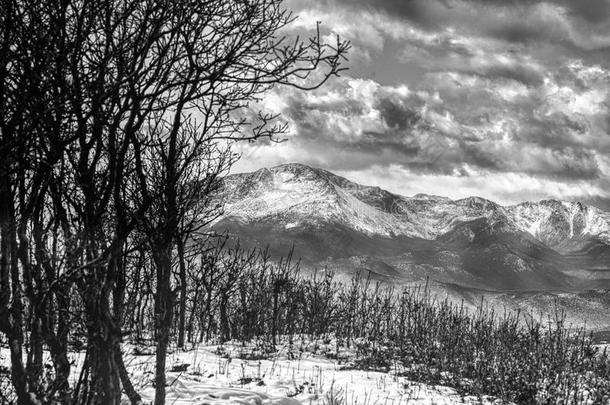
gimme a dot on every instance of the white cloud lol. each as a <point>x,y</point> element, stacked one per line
<point>504,188</point>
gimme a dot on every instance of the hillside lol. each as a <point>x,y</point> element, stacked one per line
<point>526,250</point>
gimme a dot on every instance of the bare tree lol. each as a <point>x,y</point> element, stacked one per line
<point>116,121</point>
<point>228,55</point>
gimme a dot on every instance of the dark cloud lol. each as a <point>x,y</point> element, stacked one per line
<point>519,73</point>
<point>447,127</point>
<point>594,11</point>
<point>524,31</point>
<point>484,58</point>
<point>557,130</point>
<point>318,124</point>
<point>425,13</point>
<point>433,12</point>
<point>496,89</point>
<point>396,115</point>
<point>569,23</point>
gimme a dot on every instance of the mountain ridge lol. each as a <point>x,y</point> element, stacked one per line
<point>365,208</point>
<point>334,223</point>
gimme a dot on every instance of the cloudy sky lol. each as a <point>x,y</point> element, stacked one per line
<point>504,99</point>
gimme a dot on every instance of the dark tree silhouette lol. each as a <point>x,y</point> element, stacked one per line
<point>116,120</point>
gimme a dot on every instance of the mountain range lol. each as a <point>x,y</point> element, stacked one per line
<point>547,248</point>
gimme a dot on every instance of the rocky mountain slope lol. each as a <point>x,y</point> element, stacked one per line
<point>473,242</point>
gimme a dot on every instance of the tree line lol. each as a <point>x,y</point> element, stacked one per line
<point>117,119</point>
<point>245,298</point>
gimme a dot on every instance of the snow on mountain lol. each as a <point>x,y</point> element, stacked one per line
<point>297,195</point>
<point>553,222</point>
<point>294,195</point>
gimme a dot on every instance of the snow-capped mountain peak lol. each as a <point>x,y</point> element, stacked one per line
<point>293,195</point>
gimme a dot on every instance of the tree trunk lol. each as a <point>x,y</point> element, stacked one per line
<point>183,292</point>
<point>34,357</point>
<point>105,388</point>
<point>62,373</point>
<point>104,338</point>
<point>131,392</point>
<point>225,330</point>
<point>18,373</point>
<point>163,319</point>
<point>10,297</point>
<point>190,324</point>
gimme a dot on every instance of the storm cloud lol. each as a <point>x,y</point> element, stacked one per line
<point>515,91</point>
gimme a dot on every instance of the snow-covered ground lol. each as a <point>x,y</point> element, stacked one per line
<point>215,376</point>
